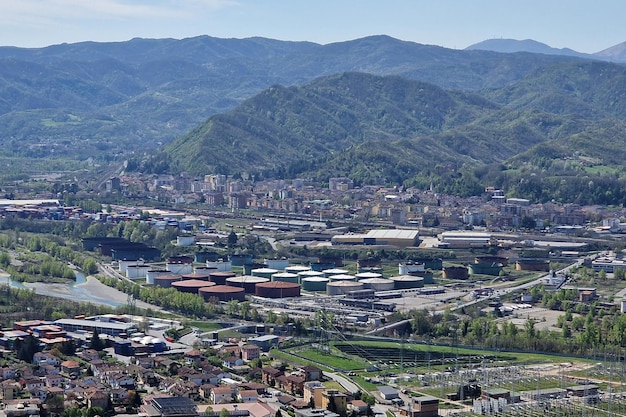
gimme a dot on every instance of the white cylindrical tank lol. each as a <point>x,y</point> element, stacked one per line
<point>410,268</point>
<point>342,287</point>
<point>152,273</point>
<point>223,266</point>
<point>294,269</point>
<point>342,277</point>
<point>368,275</point>
<point>310,274</point>
<point>378,284</point>
<point>263,272</point>
<point>179,268</point>
<point>334,271</point>
<point>279,264</point>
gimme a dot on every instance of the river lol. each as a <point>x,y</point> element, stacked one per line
<point>82,290</point>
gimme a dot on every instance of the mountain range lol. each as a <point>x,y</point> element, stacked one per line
<point>134,96</point>
<point>377,109</point>
<point>566,120</point>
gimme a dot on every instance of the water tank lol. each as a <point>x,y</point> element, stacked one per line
<point>191,285</point>
<point>410,268</point>
<point>342,277</point>
<point>279,264</point>
<point>220,277</point>
<point>310,274</point>
<point>378,284</point>
<point>294,269</point>
<point>368,275</point>
<point>286,277</point>
<point>314,284</point>
<point>193,276</point>
<point>223,293</point>
<point>263,272</point>
<point>247,282</point>
<point>455,272</point>
<point>277,289</point>
<point>220,265</point>
<point>334,271</point>
<point>150,274</point>
<point>342,287</point>
<point>407,282</point>
<point>166,281</point>
<point>203,270</point>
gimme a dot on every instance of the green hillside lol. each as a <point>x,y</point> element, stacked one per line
<point>564,122</point>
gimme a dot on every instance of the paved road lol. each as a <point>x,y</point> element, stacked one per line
<point>347,384</point>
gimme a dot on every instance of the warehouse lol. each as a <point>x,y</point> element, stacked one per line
<point>393,237</point>
<point>102,327</point>
<point>464,239</point>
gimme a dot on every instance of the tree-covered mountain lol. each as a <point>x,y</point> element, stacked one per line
<point>106,100</point>
<point>560,122</point>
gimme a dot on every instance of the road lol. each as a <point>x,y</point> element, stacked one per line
<point>347,384</point>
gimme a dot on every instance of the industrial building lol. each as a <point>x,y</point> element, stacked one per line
<point>464,239</point>
<point>114,328</point>
<point>392,237</point>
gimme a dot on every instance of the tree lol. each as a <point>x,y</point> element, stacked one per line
<point>55,404</point>
<point>96,343</point>
<point>224,413</point>
<point>528,223</point>
<point>244,309</point>
<point>232,308</point>
<point>529,327</point>
<point>27,348</point>
<point>133,399</point>
<point>89,266</point>
<point>232,238</point>
<point>332,406</point>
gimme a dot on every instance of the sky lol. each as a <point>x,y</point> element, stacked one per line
<point>582,25</point>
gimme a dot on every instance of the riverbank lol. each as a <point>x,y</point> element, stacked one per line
<point>89,291</point>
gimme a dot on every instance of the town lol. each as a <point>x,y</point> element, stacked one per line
<point>506,259</point>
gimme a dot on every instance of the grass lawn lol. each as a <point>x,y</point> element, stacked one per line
<point>332,360</point>
<point>205,326</point>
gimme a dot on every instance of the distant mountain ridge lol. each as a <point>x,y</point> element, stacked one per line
<point>616,53</point>
<point>107,99</point>
<point>526,45</point>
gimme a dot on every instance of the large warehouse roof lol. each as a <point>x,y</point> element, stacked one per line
<point>393,234</point>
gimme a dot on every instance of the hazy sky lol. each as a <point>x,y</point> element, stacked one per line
<point>583,25</point>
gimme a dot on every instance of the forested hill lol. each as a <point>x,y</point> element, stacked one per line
<point>104,100</point>
<point>561,121</point>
